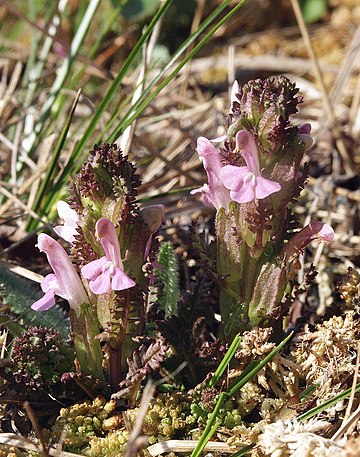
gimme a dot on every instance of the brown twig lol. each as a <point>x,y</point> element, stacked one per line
<point>37,429</point>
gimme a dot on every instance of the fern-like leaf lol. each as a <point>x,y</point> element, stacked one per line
<point>167,272</point>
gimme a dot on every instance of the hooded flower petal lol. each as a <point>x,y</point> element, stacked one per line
<point>106,273</point>
<point>65,282</point>
<point>246,183</point>
<point>70,218</point>
<point>153,216</point>
<point>215,194</point>
<point>315,230</point>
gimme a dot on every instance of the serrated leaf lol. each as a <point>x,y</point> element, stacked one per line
<point>169,276</point>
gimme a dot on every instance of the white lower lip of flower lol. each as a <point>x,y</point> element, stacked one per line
<point>54,285</point>
<point>249,178</point>
<point>109,266</point>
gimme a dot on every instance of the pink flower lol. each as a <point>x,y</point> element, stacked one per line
<point>214,194</point>
<point>315,230</point>
<point>107,272</point>
<point>70,218</point>
<point>65,281</point>
<point>246,183</point>
<point>153,216</point>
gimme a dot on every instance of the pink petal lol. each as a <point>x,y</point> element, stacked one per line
<point>48,283</point>
<point>120,280</point>
<point>305,137</point>
<point>315,230</point>
<point>66,233</point>
<point>305,128</point>
<point>106,232</point>
<point>153,216</point>
<point>219,139</point>
<point>93,269</point>
<point>245,142</point>
<point>101,284</point>
<point>233,177</point>
<point>68,283</point>
<point>217,193</point>
<point>245,195</point>
<point>205,198</point>
<point>70,219</point>
<point>46,302</point>
<point>265,187</point>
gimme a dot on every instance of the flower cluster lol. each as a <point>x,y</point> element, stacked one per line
<point>252,181</point>
<point>103,274</point>
<point>110,239</point>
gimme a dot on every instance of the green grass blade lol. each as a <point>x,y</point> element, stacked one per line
<point>243,451</point>
<point>146,97</point>
<point>307,393</point>
<point>258,367</point>
<point>79,148</point>
<point>62,74</point>
<point>225,361</point>
<point>46,184</point>
<point>225,396</point>
<point>332,401</point>
<point>115,85</point>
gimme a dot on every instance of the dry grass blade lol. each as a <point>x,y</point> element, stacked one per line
<point>18,441</point>
<point>37,429</point>
<point>136,442</point>
<point>350,420</point>
<point>347,160</point>
<point>187,446</point>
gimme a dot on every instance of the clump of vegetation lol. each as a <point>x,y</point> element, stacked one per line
<point>163,325</point>
<point>40,357</point>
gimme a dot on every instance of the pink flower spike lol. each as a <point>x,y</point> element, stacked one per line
<point>315,230</point>
<point>304,135</point>
<point>70,218</point>
<point>214,194</point>
<point>65,282</point>
<point>246,183</point>
<point>107,272</point>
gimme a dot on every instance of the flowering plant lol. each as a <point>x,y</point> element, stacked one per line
<point>103,279</point>
<point>252,182</point>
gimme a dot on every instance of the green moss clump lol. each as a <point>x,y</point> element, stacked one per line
<point>82,422</point>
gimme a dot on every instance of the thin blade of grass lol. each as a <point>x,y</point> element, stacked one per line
<point>227,395</point>
<point>244,379</point>
<point>111,93</point>
<point>146,97</point>
<point>243,451</point>
<point>115,86</point>
<point>332,401</point>
<point>225,361</point>
<point>46,186</point>
<point>30,141</point>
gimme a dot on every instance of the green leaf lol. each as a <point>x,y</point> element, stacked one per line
<point>169,276</point>
<point>19,294</point>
